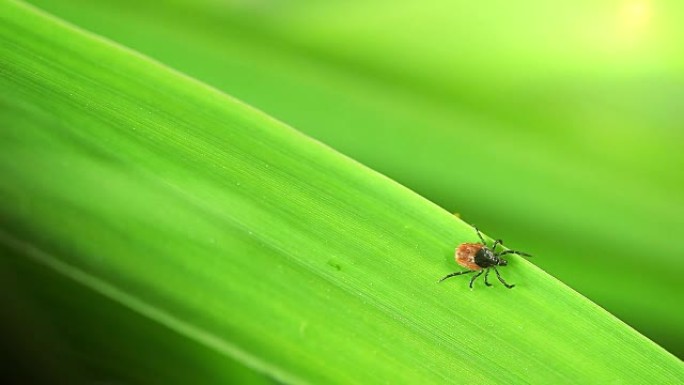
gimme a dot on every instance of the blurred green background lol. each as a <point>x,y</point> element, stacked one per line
<point>557,126</point>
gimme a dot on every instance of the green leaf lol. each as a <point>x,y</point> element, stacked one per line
<point>202,216</point>
<point>573,159</point>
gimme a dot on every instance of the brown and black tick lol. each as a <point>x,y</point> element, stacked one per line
<point>478,257</point>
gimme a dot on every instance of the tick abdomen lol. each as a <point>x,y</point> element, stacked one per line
<point>465,255</point>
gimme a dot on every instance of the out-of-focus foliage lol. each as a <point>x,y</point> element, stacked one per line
<point>554,125</point>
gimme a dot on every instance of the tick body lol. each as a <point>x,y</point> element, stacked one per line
<point>479,258</point>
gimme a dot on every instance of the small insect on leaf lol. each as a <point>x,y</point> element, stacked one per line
<point>479,258</point>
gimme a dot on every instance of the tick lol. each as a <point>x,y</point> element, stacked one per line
<point>478,257</point>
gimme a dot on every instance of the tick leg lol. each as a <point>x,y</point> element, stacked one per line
<point>487,278</point>
<point>479,234</point>
<point>496,243</point>
<point>501,279</point>
<point>514,252</point>
<point>474,278</point>
<point>455,274</point>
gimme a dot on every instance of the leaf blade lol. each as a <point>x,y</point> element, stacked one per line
<point>299,256</point>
